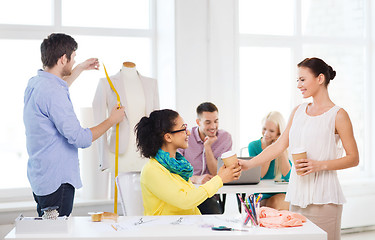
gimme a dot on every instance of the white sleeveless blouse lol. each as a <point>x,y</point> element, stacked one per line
<point>317,135</point>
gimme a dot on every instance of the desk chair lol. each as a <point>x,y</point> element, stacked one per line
<point>129,187</point>
<point>244,152</point>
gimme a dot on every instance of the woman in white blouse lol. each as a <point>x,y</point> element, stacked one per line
<point>317,127</point>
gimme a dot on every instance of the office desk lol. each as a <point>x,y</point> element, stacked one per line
<point>264,186</point>
<point>268,186</point>
<point>167,227</point>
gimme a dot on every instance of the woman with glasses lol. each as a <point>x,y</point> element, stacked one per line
<point>165,179</point>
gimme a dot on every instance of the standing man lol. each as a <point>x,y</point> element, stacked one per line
<point>53,132</point>
<point>206,144</point>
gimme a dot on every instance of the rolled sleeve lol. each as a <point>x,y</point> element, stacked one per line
<point>84,138</point>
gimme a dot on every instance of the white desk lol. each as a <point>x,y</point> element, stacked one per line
<point>268,186</point>
<point>161,227</point>
<point>264,186</point>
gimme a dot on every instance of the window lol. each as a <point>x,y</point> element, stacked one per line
<point>255,74</point>
<point>270,20</point>
<point>18,12</point>
<point>16,72</point>
<point>109,14</point>
<point>113,34</point>
<point>274,35</point>
<point>333,18</point>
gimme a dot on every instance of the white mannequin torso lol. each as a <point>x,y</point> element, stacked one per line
<point>139,95</point>
<point>131,160</point>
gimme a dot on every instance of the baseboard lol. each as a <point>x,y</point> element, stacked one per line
<point>358,229</point>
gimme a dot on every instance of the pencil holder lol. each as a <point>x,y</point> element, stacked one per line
<point>248,217</point>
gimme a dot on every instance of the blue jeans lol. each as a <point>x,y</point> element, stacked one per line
<point>63,198</point>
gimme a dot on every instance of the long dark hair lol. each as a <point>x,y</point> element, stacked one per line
<point>318,66</point>
<point>150,131</point>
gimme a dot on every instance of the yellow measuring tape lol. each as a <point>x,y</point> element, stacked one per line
<point>117,137</point>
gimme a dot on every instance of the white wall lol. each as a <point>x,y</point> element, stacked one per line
<point>165,52</point>
<point>205,60</point>
<point>191,57</point>
<point>358,210</point>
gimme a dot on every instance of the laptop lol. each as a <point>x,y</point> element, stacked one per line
<point>251,176</point>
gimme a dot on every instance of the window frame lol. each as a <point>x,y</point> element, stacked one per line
<point>36,32</point>
<point>296,42</point>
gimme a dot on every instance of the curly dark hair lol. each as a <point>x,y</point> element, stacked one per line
<point>150,131</point>
<point>55,46</point>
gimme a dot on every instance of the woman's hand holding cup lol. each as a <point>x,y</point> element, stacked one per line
<point>229,174</point>
<point>231,170</point>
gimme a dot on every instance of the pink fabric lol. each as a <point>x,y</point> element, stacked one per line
<point>272,218</point>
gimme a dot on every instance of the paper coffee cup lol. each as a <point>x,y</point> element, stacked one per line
<point>229,158</point>
<point>96,216</point>
<point>298,154</point>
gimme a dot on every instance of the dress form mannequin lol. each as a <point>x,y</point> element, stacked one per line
<point>139,95</point>
<point>131,160</point>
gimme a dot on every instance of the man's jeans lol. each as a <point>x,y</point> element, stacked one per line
<point>63,198</point>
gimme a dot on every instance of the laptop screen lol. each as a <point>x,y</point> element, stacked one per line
<point>251,176</point>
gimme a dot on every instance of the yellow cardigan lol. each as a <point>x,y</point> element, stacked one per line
<point>166,193</point>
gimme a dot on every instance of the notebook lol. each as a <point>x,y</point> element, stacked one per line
<point>251,176</point>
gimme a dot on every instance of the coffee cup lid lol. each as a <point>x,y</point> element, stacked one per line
<point>94,213</point>
<point>298,150</point>
<point>228,154</point>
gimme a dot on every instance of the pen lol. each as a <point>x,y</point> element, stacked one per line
<point>114,227</point>
<point>221,228</point>
<point>258,198</point>
<point>252,208</point>
<point>224,228</point>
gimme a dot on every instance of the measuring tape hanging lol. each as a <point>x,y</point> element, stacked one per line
<point>117,138</point>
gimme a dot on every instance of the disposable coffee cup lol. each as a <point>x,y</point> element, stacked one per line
<point>96,216</point>
<point>229,158</point>
<point>298,154</point>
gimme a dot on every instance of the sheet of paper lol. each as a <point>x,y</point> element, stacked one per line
<point>135,223</point>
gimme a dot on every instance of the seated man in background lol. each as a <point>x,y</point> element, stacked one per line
<point>206,144</point>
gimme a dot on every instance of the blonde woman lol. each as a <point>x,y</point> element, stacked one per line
<point>278,168</point>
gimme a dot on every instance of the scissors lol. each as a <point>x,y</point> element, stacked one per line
<point>224,228</point>
<point>141,221</point>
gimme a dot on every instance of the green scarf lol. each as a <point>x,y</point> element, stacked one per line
<point>178,165</point>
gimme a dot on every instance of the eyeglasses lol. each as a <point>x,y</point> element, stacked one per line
<point>184,129</point>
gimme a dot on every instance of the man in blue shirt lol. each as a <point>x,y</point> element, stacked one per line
<point>53,132</point>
